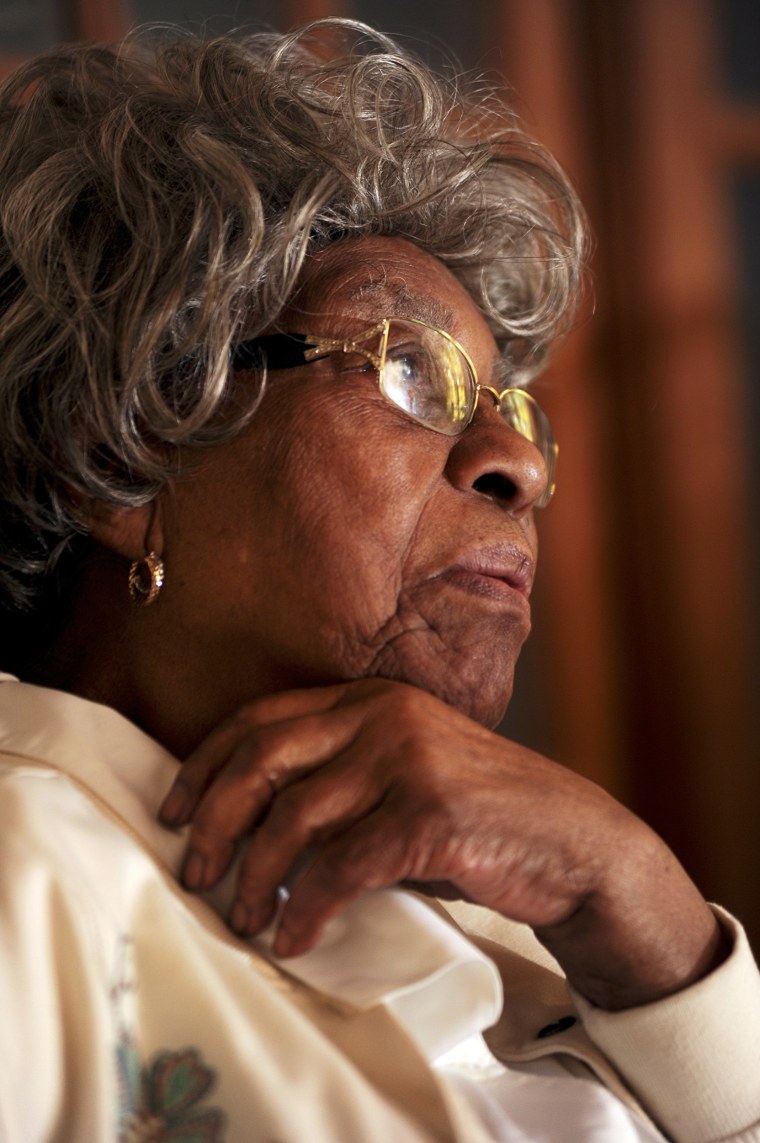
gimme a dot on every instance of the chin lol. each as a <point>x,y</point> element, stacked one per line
<point>486,708</point>
<point>483,699</point>
<point>474,673</point>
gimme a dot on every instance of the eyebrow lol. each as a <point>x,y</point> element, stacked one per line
<point>397,301</point>
<point>401,303</point>
<point>288,350</point>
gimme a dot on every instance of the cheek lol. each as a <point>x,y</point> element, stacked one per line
<point>351,515</point>
<point>358,485</point>
<point>337,516</point>
<point>296,543</point>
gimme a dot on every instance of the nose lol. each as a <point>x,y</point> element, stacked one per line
<point>495,461</point>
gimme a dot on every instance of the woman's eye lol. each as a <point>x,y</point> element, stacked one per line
<point>353,363</point>
<point>411,381</point>
<point>409,363</point>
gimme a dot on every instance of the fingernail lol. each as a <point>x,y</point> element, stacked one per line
<point>175,807</point>
<point>239,918</point>
<point>194,870</point>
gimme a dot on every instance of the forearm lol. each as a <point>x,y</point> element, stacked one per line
<point>650,938</point>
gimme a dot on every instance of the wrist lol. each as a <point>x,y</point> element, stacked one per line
<point>650,939</point>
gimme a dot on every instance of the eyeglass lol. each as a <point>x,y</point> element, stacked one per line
<point>423,371</point>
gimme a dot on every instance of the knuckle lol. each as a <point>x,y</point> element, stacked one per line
<point>255,766</point>
<point>414,714</point>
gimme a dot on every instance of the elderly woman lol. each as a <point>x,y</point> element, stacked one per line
<point>267,490</point>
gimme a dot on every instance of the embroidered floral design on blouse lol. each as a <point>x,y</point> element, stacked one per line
<point>160,1102</point>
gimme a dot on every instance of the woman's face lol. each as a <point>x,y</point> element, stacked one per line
<point>336,538</point>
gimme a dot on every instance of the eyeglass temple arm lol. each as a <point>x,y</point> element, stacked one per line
<point>281,350</point>
<point>288,350</point>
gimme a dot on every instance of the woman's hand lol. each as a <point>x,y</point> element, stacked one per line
<point>374,783</point>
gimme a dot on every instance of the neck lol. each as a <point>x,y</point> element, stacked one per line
<point>138,660</point>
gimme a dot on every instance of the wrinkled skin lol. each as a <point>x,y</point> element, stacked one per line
<point>347,594</point>
<point>326,542</point>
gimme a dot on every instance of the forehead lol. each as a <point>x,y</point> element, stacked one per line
<point>384,277</point>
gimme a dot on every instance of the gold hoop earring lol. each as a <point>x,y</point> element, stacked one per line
<point>146,578</point>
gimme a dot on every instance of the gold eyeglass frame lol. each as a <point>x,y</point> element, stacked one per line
<point>289,350</point>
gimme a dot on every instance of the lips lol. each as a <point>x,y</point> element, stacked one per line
<point>501,571</point>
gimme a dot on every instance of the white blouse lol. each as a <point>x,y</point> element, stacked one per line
<point>127,1008</point>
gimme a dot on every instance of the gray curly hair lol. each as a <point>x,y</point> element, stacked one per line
<point>158,200</point>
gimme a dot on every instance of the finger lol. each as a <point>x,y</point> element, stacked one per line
<point>262,765</point>
<point>295,704</point>
<point>301,819</point>
<point>199,769</point>
<point>370,855</point>
<point>197,772</point>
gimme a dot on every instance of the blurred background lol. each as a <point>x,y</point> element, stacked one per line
<point>643,669</point>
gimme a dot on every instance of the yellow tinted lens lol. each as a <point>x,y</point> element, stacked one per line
<point>528,419</point>
<point>426,375</point>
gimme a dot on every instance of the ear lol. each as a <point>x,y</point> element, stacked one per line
<point>128,532</point>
